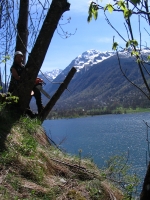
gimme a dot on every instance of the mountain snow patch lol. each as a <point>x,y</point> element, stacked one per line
<point>90,58</point>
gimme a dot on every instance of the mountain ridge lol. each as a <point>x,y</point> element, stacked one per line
<point>99,81</point>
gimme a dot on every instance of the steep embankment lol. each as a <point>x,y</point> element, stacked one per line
<point>31,168</point>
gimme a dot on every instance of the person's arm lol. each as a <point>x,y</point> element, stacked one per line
<point>15,74</point>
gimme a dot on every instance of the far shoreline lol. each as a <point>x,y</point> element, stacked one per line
<point>91,113</point>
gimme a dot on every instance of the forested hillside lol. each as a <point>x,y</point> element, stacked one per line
<point>102,86</point>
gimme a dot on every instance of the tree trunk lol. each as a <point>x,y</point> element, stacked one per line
<point>22,28</point>
<point>145,194</point>
<point>36,58</point>
<point>57,94</point>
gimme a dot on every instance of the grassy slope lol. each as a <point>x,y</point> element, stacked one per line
<point>30,168</point>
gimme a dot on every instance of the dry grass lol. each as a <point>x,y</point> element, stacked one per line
<point>30,168</point>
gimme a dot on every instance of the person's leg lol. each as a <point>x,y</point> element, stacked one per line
<point>37,95</point>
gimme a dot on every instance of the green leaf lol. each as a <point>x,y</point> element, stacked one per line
<point>122,5</point>
<point>90,7</point>
<point>89,17</point>
<point>134,53</point>
<point>90,13</point>
<point>148,57</point>
<point>127,13</point>
<point>109,7</point>
<point>93,11</point>
<point>138,60</point>
<point>134,42</point>
<point>5,59</point>
<point>128,44</point>
<point>131,42</point>
<point>115,45</point>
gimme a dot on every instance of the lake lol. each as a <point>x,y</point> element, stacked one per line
<point>101,137</point>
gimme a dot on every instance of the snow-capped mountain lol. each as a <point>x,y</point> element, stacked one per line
<point>90,58</point>
<point>99,81</point>
<point>82,62</point>
<point>50,76</point>
<point>87,59</point>
<point>53,74</point>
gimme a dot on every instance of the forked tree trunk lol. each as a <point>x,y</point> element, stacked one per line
<point>38,53</point>
<point>57,95</point>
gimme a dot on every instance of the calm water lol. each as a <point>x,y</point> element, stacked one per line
<point>101,137</point>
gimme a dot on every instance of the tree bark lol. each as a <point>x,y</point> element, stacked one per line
<point>145,194</point>
<point>22,28</point>
<point>57,95</point>
<point>36,58</point>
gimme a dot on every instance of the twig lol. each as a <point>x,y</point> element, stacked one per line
<point>129,79</point>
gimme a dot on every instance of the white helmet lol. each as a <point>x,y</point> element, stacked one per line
<point>18,53</point>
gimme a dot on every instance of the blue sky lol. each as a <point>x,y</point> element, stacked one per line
<point>96,35</point>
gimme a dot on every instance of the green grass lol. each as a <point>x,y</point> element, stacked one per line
<point>26,160</point>
<point>95,189</point>
<point>28,145</point>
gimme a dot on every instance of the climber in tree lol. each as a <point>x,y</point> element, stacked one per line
<point>16,70</point>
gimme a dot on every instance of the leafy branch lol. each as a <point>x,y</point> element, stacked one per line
<point>118,171</point>
<point>128,8</point>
